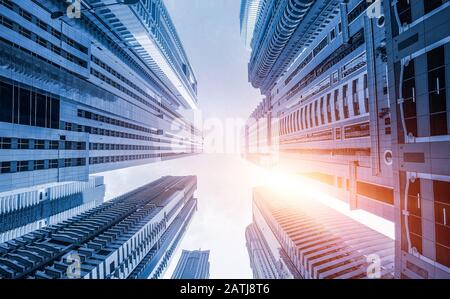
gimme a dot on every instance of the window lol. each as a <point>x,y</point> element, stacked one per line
<point>67,162</point>
<point>24,99</point>
<point>316,112</point>
<point>320,46</point>
<point>322,114</point>
<point>302,118</point>
<point>6,100</point>
<point>409,99</point>
<point>53,145</point>
<point>53,164</point>
<point>39,165</point>
<point>23,144</point>
<point>25,32</point>
<point>26,15</point>
<point>337,113</point>
<point>430,5</point>
<point>404,11</point>
<point>41,41</point>
<point>357,11</point>
<point>355,98</point>
<point>338,134</point>
<point>366,94</point>
<point>332,34</point>
<point>345,101</point>
<point>306,117</point>
<point>441,190</point>
<point>68,145</point>
<point>311,123</point>
<point>437,92</point>
<point>39,144</point>
<point>41,25</point>
<point>5,143</point>
<point>80,146</point>
<point>376,192</point>
<point>80,162</point>
<point>329,117</point>
<point>357,131</point>
<point>22,166</point>
<point>5,167</point>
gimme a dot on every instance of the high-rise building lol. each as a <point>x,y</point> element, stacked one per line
<point>131,236</point>
<point>262,261</point>
<point>248,18</point>
<point>25,210</point>
<point>357,91</point>
<point>192,265</point>
<point>303,238</point>
<point>84,91</point>
<point>322,68</point>
<point>418,36</point>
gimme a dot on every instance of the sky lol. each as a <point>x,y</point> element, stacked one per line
<point>210,33</point>
<point>224,193</point>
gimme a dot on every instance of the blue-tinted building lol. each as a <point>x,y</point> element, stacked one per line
<point>248,18</point>
<point>321,66</point>
<point>25,210</point>
<point>356,98</point>
<point>131,236</point>
<point>418,50</point>
<point>262,262</point>
<point>299,237</point>
<point>192,265</point>
<point>109,89</point>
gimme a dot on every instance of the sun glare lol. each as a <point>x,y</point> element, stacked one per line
<point>295,187</point>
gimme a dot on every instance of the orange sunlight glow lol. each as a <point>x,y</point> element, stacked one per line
<point>296,187</point>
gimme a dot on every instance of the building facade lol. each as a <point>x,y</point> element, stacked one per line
<point>326,111</point>
<point>357,91</point>
<point>262,261</point>
<point>131,236</point>
<point>105,89</point>
<point>418,36</point>
<point>23,211</point>
<point>303,238</point>
<point>192,265</point>
<point>248,17</point>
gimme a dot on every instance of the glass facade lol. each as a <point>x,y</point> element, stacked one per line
<point>75,102</point>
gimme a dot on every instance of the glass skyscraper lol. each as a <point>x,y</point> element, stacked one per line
<point>104,88</point>
<point>418,48</point>
<point>25,210</point>
<point>192,265</point>
<point>131,236</point>
<point>302,238</point>
<point>356,97</point>
<point>321,66</point>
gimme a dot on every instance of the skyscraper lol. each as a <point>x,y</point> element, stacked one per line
<point>262,262</point>
<point>91,90</point>
<point>302,238</point>
<point>192,265</point>
<point>25,210</point>
<point>418,35</point>
<point>132,236</point>
<point>248,18</point>
<point>321,66</point>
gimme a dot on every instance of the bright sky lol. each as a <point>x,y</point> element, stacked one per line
<point>210,33</point>
<point>224,195</point>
